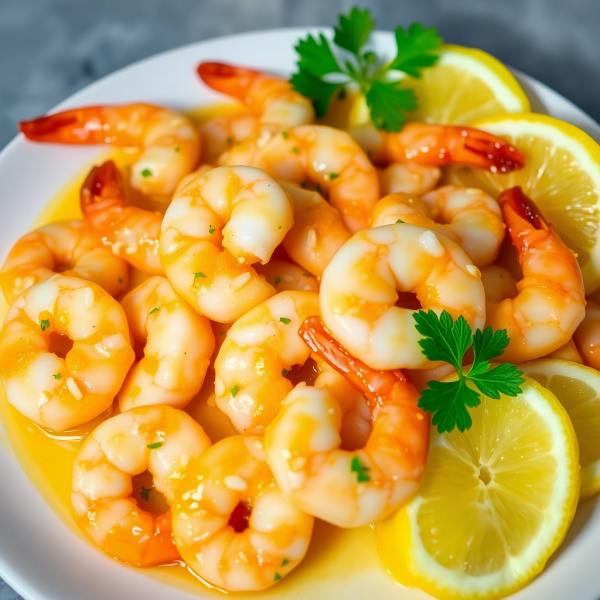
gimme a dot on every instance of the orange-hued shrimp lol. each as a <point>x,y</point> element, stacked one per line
<point>169,141</point>
<point>437,145</point>
<point>319,155</point>
<point>587,335</point>
<point>57,387</point>
<point>550,304</point>
<point>271,98</point>
<point>348,488</point>
<point>68,247</point>
<point>131,232</point>
<point>158,439</point>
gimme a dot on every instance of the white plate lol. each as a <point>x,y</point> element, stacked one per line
<point>39,556</point>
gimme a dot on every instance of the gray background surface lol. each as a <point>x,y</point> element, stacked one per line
<point>52,48</point>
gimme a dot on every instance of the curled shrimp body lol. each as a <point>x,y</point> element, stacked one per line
<point>214,230</point>
<point>348,488</point>
<point>410,178</point>
<point>285,276</point>
<point>316,154</point>
<point>467,216</point>
<point>219,134</point>
<point>231,523</point>
<point>131,232</point>
<point>169,142</point>
<point>437,145</point>
<point>260,350</point>
<point>158,439</point>
<point>498,283</point>
<point>177,346</point>
<point>359,291</point>
<point>63,392</point>
<point>550,303</point>
<point>67,246</point>
<point>270,97</point>
<point>587,335</point>
<point>318,230</point>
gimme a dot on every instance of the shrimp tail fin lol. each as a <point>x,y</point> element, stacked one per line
<point>377,386</point>
<point>522,206</point>
<point>487,151</point>
<point>103,188</point>
<point>227,79</point>
<point>67,127</point>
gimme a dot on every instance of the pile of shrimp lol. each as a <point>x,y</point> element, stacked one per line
<point>306,250</point>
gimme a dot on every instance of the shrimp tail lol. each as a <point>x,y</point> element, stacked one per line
<point>76,126</point>
<point>484,150</point>
<point>227,79</point>
<point>377,386</point>
<point>523,207</point>
<point>103,188</point>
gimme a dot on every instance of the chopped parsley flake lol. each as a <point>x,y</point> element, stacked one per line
<point>211,229</point>
<point>284,135</point>
<point>177,149</point>
<point>155,309</point>
<point>277,280</point>
<point>277,577</point>
<point>234,391</point>
<point>400,221</point>
<point>284,562</point>
<point>146,173</point>
<point>285,372</point>
<point>333,176</point>
<point>361,471</point>
<point>57,375</point>
<point>196,275</point>
<point>285,321</point>
<point>145,492</point>
<point>45,324</point>
<point>154,446</point>
<point>295,150</point>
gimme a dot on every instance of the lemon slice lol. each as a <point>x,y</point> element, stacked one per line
<point>561,175</point>
<point>578,389</point>
<point>465,85</point>
<point>495,502</point>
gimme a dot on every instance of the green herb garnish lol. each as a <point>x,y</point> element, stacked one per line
<point>146,173</point>
<point>44,324</point>
<point>154,446</point>
<point>448,340</point>
<point>277,280</point>
<point>211,229</point>
<point>400,221</point>
<point>234,391</point>
<point>284,562</point>
<point>360,470</point>
<point>57,376</point>
<point>321,74</point>
<point>285,321</point>
<point>155,309</point>
<point>285,372</point>
<point>145,492</point>
<point>198,275</point>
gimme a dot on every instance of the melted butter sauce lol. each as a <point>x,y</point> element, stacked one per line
<point>339,563</point>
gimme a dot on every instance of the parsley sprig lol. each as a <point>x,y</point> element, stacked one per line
<point>448,341</point>
<point>321,74</point>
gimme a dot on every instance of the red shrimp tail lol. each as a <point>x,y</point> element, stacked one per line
<point>377,386</point>
<point>227,79</point>
<point>486,151</point>
<point>102,189</point>
<point>523,206</point>
<point>67,127</point>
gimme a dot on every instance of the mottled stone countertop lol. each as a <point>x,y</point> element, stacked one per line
<point>51,48</point>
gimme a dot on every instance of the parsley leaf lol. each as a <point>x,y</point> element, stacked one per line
<point>154,446</point>
<point>44,324</point>
<point>57,376</point>
<point>448,341</point>
<point>284,562</point>
<point>145,492</point>
<point>154,310</point>
<point>285,320</point>
<point>388,102</point>
<point>323,71</point>
<point>146,173</point>
<point>416,49</point>
<point>277,577</point>
<point>354,30</point>
<point>234,391</point>
<point>360,470</point>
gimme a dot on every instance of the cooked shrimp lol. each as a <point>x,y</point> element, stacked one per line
<point>587,335</point>
<point>169,142</point>
<point>68,247</point>
<point>410,178</point>
<point>359,292</point>
<point>178,344</point>
<point>214,230</point>
<point>219,134</point>
<point>324,156</point>
<point>567,352</point>
<point>467,216</point>
<point>260,350</point>
<point>498,283</point>
<point>158,439</point>
<point>58,392</point>
<point>348,488</point>
<point>550,303</point>
<point>203,168</point>
<point>131,232</point>
<point>318,230</point>
<point>231,523</point>
<point>284,275</point>
<point>270,97</point>
<point>439,145</point>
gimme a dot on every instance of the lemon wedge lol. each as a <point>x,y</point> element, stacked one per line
<point>561,175</point>
<point>578,389</point>
<point>496,501</point>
